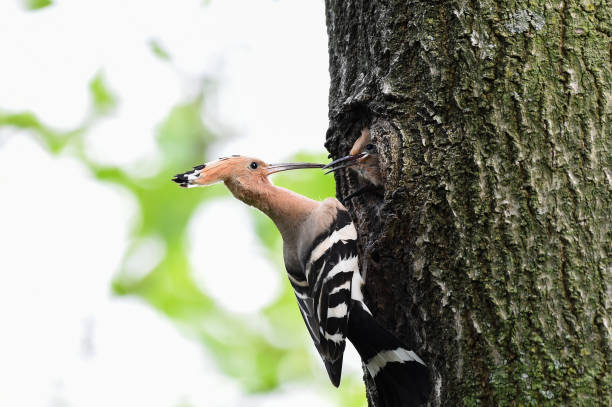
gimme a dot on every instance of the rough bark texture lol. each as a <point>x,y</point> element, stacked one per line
<point>490,252</point>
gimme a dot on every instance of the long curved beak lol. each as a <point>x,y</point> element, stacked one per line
<point>343,162</point>
<point>272,168</point>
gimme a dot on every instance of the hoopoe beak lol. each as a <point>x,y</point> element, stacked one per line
<point>344,162</point>
<point>272,168</point>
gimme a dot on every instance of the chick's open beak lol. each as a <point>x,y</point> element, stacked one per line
<point>343,162</point>
<point>272,168</point>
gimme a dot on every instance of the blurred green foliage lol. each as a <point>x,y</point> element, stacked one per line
<point>103,100</point>
<point>158,50</point>
<point>261,352</point>
<point>36,4</point>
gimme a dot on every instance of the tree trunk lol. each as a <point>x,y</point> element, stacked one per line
<point>490,252</point>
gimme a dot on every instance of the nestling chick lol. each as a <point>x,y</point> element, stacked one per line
<point>363,158</point>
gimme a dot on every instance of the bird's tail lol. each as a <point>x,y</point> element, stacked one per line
<point>401,377</point>
<point>187,179</point>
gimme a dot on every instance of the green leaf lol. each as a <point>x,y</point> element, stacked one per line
<point>37,4</point>
<point>103,100</point>
<point>53,140</point>
<point>183,137</point>
<point>159,50</point>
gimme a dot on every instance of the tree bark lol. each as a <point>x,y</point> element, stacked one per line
<point>490,252</point>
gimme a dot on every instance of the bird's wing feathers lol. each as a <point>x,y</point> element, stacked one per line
<point>328,267</point>
<point>306,306</point>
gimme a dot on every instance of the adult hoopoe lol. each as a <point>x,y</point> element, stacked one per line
<point>320,253</point>
<point>363,158</point>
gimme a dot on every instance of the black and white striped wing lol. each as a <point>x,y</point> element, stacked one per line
<point>306,307</point>
<point>330,267</point>
<point>305,304</point>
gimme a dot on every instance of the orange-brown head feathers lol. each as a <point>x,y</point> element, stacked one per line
<point>247,180</point>
<point>224,169</point>
<point>234,169</point>
<point>244,176</point>
<point>363,158</point>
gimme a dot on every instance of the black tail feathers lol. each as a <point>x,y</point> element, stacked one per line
<point>401,377</point>
<point>334,370</point>
<point>402,385</point>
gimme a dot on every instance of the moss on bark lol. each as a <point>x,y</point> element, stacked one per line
<point>490,253</point>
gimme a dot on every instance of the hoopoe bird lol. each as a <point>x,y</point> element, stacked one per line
<point>321,259</point>
<point>363,158</point>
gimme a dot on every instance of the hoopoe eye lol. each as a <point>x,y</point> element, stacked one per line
<point>370,147</point>
<point>253,165</point>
